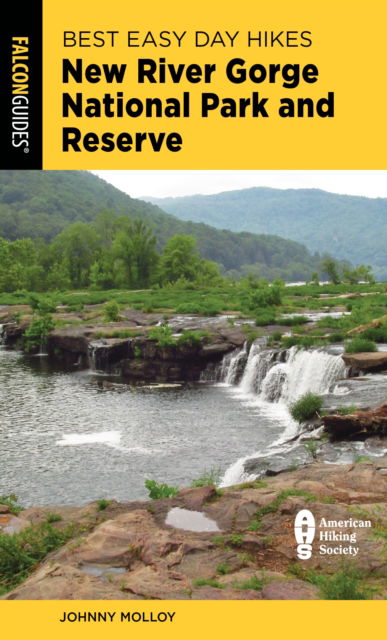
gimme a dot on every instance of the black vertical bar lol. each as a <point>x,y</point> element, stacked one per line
<point>21,85</point>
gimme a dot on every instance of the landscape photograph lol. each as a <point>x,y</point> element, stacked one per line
<point>193,385</point>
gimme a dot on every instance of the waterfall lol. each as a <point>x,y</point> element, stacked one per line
<point>272,379</point>
<point>282,375</point>
<point>92,349</point>
<point>229,370</point>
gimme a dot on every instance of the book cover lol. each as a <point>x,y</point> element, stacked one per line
<point>187,426</point>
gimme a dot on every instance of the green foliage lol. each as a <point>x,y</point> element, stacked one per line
<point>102,504</point>
<point>265,317</point>
<point>272,507</point>
<point>192,338</point>
<point>223,569</point>
<point>306,407</point>
<point>377,334</point>
<point>42,305</point>
<point>330,267</point>
<point>312,447</point>
<point>163,336</point>
<point>235,539</point>
<point>207,582</point>
<point>21,552</point>
<point>360,345</point>
<point>359,459</point>
<point>208,478</point>
<point>36,334</point>
<point>137,351</point>
<point>158,490</point>
<point>336,337</point>
<point>11,502</point>
<point>53,517</point>
<point>343,585</point>
<point>112,311</point>
<point>293,321</point>
<point>346,411</point>
<point>256,583</point>
<point>346,584</point>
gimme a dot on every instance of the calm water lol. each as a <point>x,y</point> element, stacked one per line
<point>65,440</point>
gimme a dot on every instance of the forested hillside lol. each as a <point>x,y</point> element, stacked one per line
<point>41,204</point>
<point>349,227</point>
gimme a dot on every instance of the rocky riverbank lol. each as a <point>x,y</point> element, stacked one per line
<point>211,544</point>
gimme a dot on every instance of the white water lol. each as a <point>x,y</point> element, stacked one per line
<point>271,381</point>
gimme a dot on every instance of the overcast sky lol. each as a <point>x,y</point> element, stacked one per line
<point>180,183</point>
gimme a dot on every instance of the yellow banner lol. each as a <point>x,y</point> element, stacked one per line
<point>228,620</point>
<point>214,85</point>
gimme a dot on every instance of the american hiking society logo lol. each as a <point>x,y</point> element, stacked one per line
<point>339,535</point>
<point>304,531</point>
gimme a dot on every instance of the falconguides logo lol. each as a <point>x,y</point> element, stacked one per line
<point>304,531</point>
<point>20,93</point>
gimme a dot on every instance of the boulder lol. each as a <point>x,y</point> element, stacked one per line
<point>367,423</point>
<point>372,361</point>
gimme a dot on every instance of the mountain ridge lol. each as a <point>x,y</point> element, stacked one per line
<point>323,221</point>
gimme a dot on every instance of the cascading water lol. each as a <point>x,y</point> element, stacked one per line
<point>271,381</point>
<point>281,376</point>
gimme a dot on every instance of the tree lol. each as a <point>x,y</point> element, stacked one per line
<point>78,246</point>
<point>179,259</point>
<point>134,250</point>
<point>330,267</point>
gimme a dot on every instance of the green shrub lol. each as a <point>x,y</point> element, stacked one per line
<point>360,345</point>
<point>208,582</point>
<point>157,490</point>
<point>377,334</point>
<point>103,504</point>
<point>265,317</point>
<point>343,585</point>
<point>306,407</point>
<point>223,569</point>
<point>208,478</point>
<point>336,337</point>
<point>11,502</point>
<point>22,551</point>
<point>293,321</point>
<point>163,336</point>
<point>275,337</point>
<point>254,582</point>
<point>111,311</point>
<point>53,517</point>
<point>37,332</point>
<point>192,338</point>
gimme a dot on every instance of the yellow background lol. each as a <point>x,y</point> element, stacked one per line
<point>349,48</point>
<point>228,620</point>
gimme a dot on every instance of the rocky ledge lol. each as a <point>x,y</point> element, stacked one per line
<point>365,361</point>
<point>126,348</point>
<point>247,549</point>
<point>357,425</point>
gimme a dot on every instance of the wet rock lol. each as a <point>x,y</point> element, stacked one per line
<point>278,463</point>
<point>365,361</point>
<point>137,556</point>
<point>195,498</point>
<point>372,422</point>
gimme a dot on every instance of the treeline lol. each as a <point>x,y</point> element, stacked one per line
<point>41,204</point>
<point>112,253</point>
